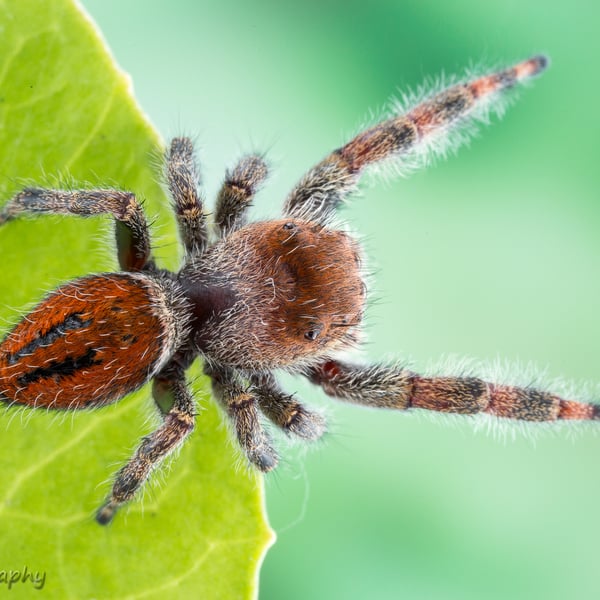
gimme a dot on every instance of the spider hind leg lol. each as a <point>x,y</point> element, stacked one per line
<point>177,425</point>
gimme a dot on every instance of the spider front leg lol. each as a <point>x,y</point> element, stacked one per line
<point>424,130</point>
<point>133,240</point>
<point>390,386</point>
<point>240,402</point>
<point>182,180</point>
<point>237,192</point>
<point>178,422</point>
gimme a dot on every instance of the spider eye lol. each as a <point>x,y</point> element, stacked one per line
<point>314,333</point>
<point>290,226</point>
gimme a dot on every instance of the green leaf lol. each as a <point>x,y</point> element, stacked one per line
<point>67,115</point>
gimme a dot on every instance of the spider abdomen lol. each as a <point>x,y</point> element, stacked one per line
<point>88,343</point>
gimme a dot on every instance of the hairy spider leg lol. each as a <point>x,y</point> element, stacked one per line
<point>327,184</point>
<point>133,239</point>
<point>237,192</point>
<point>391,386</point>
<point>177,425</point>
<point>242,407</point>
<point>284,410</point>
<point>182,180</point>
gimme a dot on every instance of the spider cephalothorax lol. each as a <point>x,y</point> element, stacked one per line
<point>283,294</point>
<point>289,291</point>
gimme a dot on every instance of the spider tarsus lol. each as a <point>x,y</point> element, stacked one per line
<point>307,425</point>
<point>285,411</point>
<point>106,513</point>
<point>541,61</point>
<point>265,458</point>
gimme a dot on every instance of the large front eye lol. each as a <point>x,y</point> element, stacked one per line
<point>314,332</point>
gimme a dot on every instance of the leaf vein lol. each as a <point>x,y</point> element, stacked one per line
<point>30,471</point>
<point>93,131</point>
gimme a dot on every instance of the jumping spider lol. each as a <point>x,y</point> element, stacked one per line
<point>284,294</point>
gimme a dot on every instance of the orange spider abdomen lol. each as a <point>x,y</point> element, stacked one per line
<point>89,342</point>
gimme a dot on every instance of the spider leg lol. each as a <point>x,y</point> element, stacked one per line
<point>285,411</point>
<point>237,192</point>
<point>133,240</point>
<point>178,423</point>
<point>423,129</point>
<point>182,181</point>
<point>390,386</point>
<point>241,405</point>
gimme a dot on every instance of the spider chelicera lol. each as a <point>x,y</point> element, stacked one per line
<point>286,294</point>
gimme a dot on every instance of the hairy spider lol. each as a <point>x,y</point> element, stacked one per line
<point>285,294</point>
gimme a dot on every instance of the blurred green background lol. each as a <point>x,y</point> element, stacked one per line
<point>491,254</point>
